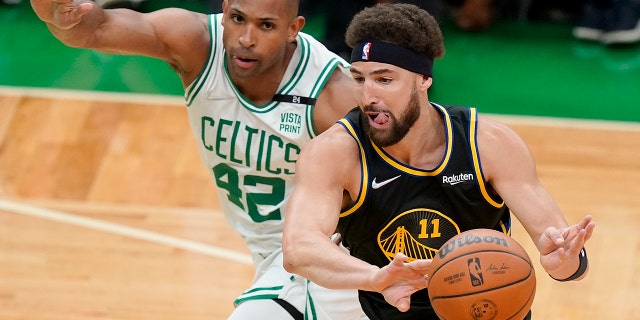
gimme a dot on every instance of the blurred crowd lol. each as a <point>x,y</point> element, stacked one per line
<point>611,22</point>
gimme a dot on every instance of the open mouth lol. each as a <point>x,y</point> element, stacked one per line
<point>380,118</point>
<point>244,62</point>
<point>247,60</point>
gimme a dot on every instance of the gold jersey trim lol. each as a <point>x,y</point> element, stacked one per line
<point>473,121</point>
<point>365,171</point>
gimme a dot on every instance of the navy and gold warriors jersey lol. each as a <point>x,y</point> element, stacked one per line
<point>414,211</point>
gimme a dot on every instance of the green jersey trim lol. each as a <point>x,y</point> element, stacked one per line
<point>300,68</point>
<point>200,81</point>
<point>293,81</point>
<point>317,88</point>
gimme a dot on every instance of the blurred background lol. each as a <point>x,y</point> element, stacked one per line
<point>514,57</point>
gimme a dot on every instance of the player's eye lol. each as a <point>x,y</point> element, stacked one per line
<point>237,18</point>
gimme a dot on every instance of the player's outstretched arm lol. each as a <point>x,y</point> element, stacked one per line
<point>323,170</point>
<point>510,169</point>
<point>176,36</point>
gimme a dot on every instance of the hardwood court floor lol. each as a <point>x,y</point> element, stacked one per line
<point>107,213</point>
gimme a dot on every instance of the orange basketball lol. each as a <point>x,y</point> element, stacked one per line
<point>482,274</point>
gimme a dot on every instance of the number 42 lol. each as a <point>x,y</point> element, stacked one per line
<point>227,178</point>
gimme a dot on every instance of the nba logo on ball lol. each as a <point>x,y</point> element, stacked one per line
<point>475,271</point>
<point>481,274</point>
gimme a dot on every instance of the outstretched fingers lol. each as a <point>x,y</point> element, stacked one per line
<point>558,246</point>
<point>553,238</point>
<point>580,232</point>
<point>583,233</point>
<point>589,226</point>
<point>402,279</point>
<point>421,265</point>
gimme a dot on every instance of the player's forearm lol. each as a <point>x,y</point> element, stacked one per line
<point>116,31</point>
<point>76,37</point>
<point>329,266</point>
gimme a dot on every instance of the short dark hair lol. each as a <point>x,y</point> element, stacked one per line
<point>295,7</point>
<point>402,24</point>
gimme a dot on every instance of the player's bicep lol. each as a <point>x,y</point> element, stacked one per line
<point>504,156</point>
<point>317,197</point>
<point>510,169</point>
<point>162,34</point>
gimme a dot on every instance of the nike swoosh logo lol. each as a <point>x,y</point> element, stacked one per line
<point>377,185</point>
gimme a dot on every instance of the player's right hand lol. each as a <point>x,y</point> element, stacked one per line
<point>63,14</point>
<point>400,279</point>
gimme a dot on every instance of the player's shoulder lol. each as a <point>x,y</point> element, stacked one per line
<point>334,101</point>
<point>491,127</point>
<point>186,26</point>
<point>180,15</point>
<point>497,141</point>
<point>340,82</point>
<point>337,137</point>
<point>333,152</point>
<point>334,142</point>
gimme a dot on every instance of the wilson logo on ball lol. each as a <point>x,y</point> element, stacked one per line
<point>469,239</point>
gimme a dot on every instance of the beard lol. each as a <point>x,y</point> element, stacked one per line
<point>400,126</point>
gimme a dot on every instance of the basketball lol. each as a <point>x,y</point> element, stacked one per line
<point>481,274</point>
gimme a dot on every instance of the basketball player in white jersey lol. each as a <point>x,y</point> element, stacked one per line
<point>256,89</point>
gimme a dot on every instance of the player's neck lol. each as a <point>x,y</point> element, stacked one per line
<point>424,145</point>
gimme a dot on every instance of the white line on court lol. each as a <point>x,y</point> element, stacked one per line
<point>552,122</point>
<point>70,94</point>
<point>178,101</point>
<point>124,231</point>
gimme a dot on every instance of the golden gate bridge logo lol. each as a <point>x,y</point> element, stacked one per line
<point>418,233</point>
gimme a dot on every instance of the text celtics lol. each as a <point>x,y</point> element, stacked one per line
<point>244,145</point>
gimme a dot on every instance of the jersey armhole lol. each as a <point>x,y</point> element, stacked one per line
<point>194,88</point>
<point>364,171</point>
<point>473,144</point>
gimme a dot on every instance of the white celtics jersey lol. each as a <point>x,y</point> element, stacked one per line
<point>251,150</point>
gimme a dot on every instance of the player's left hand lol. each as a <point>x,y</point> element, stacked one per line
<point>63,14</point>
<point>560,246</point>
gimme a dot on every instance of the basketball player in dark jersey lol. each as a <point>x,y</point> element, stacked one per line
<point>399,176</point>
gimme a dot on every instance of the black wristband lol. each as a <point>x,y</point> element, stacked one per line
<point>582,268</point>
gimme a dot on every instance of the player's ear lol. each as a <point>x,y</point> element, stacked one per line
<point>425,82</point>
<point>294,27</point>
